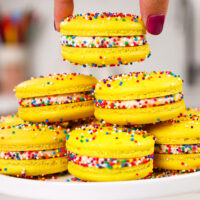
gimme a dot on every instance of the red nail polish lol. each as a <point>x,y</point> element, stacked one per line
<point>155,24</point>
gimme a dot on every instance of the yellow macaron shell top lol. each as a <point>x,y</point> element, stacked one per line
<point>10,120</point>
<point>139,85</point>
<point>55,84</point>
<point>29,136</point>
<point>193,111</point>
<point>102,140</point>
<point>103,24</point>
<point>183,130</point>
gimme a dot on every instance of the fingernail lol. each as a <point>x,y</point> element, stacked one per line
<point>54,25</point>
<point>155,24</point>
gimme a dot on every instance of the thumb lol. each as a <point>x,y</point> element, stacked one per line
<point>153,13</point>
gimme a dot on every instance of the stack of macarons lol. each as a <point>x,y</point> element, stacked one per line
<point>32,142</point>
<point>113,146</point>
<point>97,151</point>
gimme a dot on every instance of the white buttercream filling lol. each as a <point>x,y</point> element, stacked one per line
<point>139,103</point>
<point>30,155</point>
<point>104,42</point>
<point>57,99</point>
<point>177,149</point>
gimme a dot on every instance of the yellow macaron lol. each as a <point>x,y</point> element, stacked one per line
<point>101,152</point>
<point>177,143</point>
<point>139,98</point>
<point>103,39</point>
<point>28,149</point>
<point>56,98</point>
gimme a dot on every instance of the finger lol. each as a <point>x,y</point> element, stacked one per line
<point>62,9</point>
<point>153,13</point>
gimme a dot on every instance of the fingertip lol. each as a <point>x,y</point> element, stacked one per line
<point>153,14</point>
<point>57,26</point>
<point>54,25</point>
<point>142,11</point>
<point>62,9</point>
<point>155,24</point>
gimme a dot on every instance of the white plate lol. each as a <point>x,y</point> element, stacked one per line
<point>127,190</point>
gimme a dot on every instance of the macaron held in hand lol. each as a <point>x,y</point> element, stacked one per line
<point>56,98</point>
<point>103,39</point>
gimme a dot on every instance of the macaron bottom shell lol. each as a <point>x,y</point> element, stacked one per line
<point>57,113</point>
<point>106,175</point>
<point>140,115</point>
<point>101,57</point>
<point>33,167</point>
<point>177,162</point>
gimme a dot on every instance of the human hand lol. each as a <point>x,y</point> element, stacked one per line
<point>153,13</point>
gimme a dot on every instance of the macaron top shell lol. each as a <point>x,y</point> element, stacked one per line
<point>31,137</point>
<point>103,24</point>
<point>102,140</point>
<point>138,85</point>
<point>183,130</point>
<point>10,120</point>
<point>193,111</point>
<point>55,84</point>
